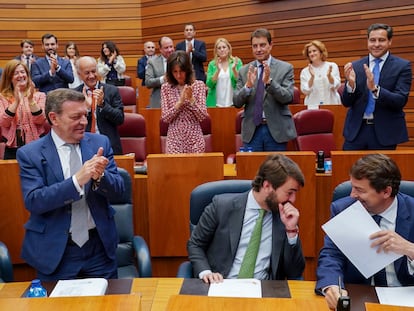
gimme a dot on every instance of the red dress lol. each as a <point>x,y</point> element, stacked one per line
<point>184,131</point>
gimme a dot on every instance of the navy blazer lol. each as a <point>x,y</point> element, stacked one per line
<point>215,239</point>
<point>332,262</point>
<point>48,197</point>
<point>395,84</point>
<point>199,56</point>
<point>110,116</point>
<point>42,79</point>
<point>141,66</point>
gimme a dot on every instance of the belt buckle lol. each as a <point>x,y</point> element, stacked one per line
<point>264,121</point>
<point>369,121</point>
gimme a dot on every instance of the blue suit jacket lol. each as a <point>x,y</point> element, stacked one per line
<point>42,79</point>
<point>198,58</point>
<point>48,197</point>
<point>332,262</point>
<point>215,239</point>
<point>395,84</point>
<point>141,66</point>
<point>110,116</point>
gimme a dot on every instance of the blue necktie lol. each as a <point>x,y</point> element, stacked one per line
<point>380,278</point>
<point>258,100</point>
<point>371,101</point>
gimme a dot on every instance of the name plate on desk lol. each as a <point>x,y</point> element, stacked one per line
<point>275,289</point>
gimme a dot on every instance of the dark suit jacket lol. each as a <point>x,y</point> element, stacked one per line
<point>214,241</point>
<point>277,96</point>
<point>141,65</point>
<point>48,197</point>
<point>110,116</point>
<point>332,262</point>
<point>199,56</point>
<point>42,79</point>
<point>395,84</point>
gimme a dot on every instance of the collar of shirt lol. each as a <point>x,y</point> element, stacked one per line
<point>269,60</point>
<point>372,60</point>
<point>389,216</point>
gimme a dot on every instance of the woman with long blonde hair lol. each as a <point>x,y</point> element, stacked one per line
<point>22,114</point>
<point>222,73</point>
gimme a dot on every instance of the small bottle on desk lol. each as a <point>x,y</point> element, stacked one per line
<point>36,290</point>
<point>320,162</point>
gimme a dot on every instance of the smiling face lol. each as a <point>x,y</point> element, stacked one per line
<point>20,77</point>
<point>50,45</point>
<point>314,54</point>
<point>261,48</point>
<point>283,194</point>
<point>378,42</point>
<point>87,71</point>
<point>70,123</point>
<point>375,202</point>
<point>222,50</point>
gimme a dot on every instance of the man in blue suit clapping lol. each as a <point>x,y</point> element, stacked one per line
<point>51,72</point>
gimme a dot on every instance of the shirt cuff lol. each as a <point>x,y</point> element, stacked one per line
<point>292,241</point>
<point>410,265</point>
<point>203,273</point>
<point>77,186</point>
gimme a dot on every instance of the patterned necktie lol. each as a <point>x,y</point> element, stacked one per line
<point>258,99</point>
<point>249,260</point>
<point>380,278</point>
<point>79,219</point>
<point>371,100</point>
<point>93,112</point>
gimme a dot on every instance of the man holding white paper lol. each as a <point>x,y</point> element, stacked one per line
<point>375,180</point>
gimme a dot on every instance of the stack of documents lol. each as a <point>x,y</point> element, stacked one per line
<point>80,287</point>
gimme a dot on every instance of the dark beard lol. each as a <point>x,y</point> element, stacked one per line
<point>272,202</point>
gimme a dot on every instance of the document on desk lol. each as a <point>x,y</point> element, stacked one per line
<point>250,288</point>
<point>80,287</point>
<point>350,231</point>
<point>396,296</point>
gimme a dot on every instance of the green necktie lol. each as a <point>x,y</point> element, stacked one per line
<point>249,260</point>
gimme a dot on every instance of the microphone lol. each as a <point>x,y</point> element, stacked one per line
<point>344,302</point>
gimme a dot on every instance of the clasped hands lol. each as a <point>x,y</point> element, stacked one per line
<point>186,94</point>
<point>350,76</point>
<point>252,75</point>
<point>92,168</point>
<point>97,95</point>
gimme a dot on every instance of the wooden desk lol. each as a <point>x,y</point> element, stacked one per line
<point>101,303</point>
<point>204,303</point>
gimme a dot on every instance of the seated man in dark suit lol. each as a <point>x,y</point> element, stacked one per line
<point>105,107</point>
<point>221,244</point>
<point>51,72</point>
<point>375,180</point>
<point>68,178</point>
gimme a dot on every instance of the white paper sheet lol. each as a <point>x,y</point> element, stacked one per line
<point>251,288</point>
<point>80,287</point>
<point>396,296</point>
<point>350,231</point>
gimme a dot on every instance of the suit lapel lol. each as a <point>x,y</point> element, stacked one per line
<point>236,222</point>
<point>51,157</point>
<point>402,226</point>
